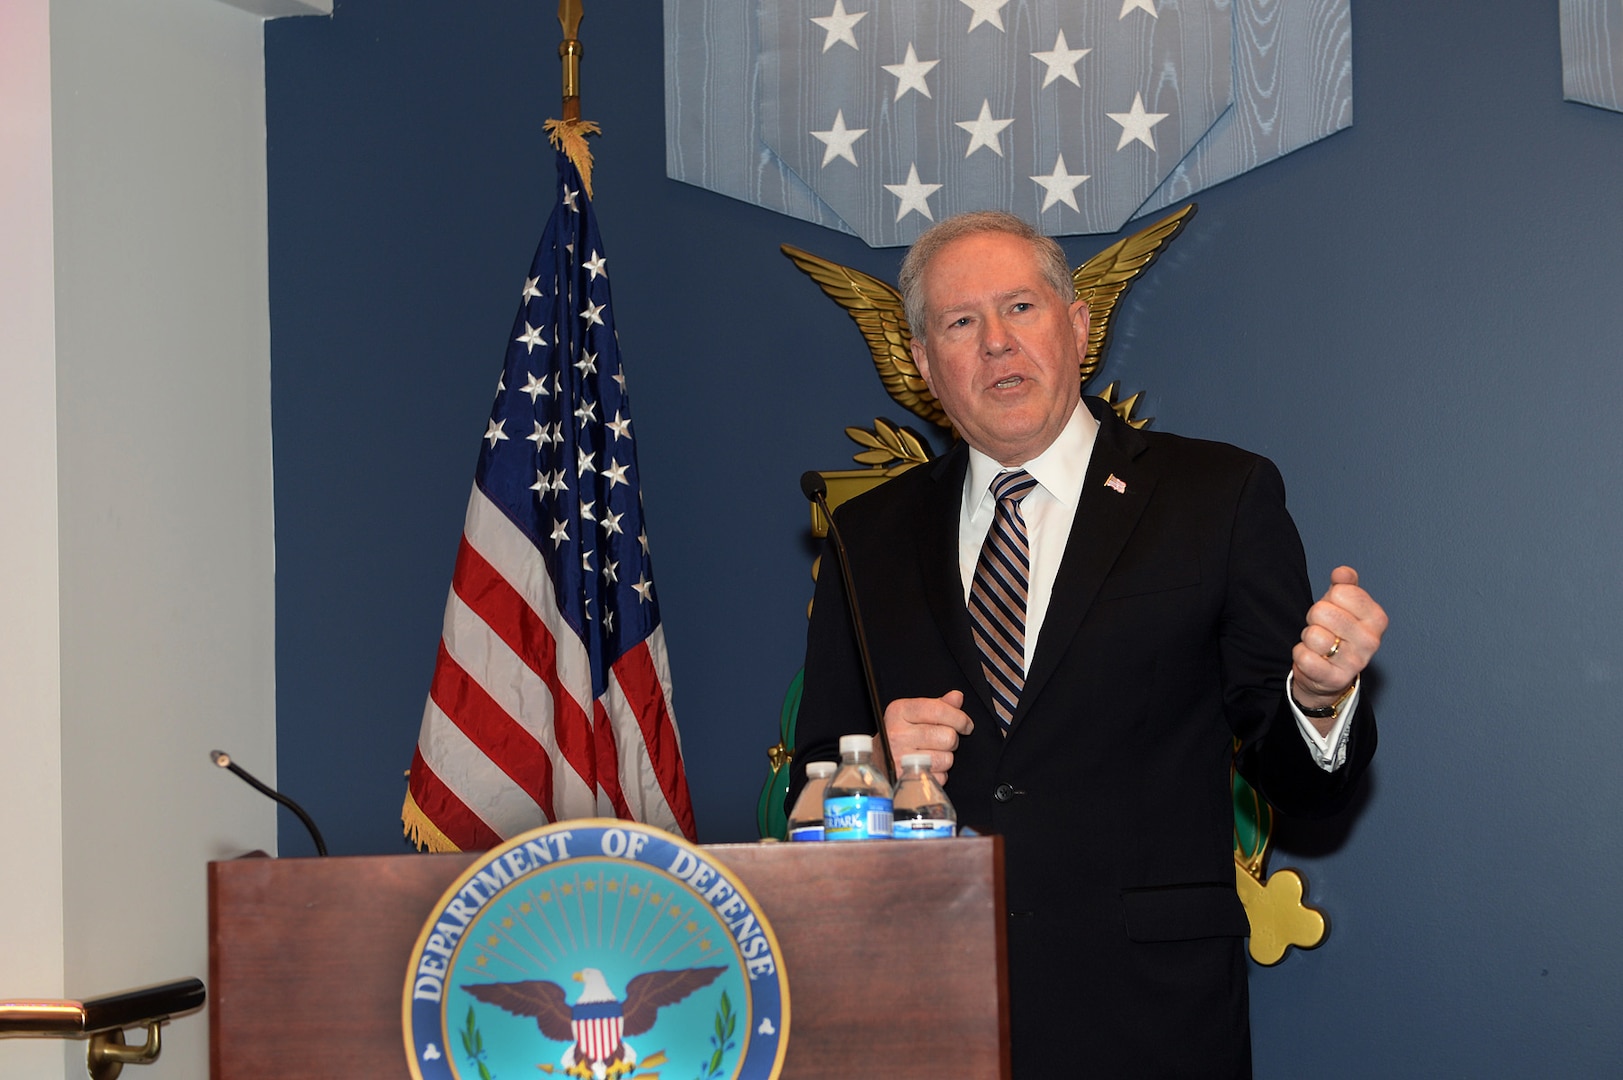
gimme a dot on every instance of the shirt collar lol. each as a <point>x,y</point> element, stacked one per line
<point>1059,470</point>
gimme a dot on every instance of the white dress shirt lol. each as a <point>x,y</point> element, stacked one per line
<point>1049,511</point>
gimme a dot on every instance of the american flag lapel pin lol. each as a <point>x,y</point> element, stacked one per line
<point>1116,484</point>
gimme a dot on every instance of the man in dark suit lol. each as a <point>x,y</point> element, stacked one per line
<point>1079,654</point>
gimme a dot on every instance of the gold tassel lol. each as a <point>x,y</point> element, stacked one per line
<point>570,137</point>
<point>422,832</point>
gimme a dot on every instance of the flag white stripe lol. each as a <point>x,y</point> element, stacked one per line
<point>521,694</point>
<point>639,783</point>
<point>472,777</point>
<point>510,552</point>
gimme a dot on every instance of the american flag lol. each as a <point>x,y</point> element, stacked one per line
<point>551,696</point>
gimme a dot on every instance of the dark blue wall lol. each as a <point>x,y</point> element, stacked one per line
<point>1420,319</point>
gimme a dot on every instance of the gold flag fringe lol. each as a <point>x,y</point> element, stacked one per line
<point>422,832</point>
<point>570,137</point>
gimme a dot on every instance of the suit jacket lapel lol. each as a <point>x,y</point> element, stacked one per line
<point>938,563</point>
<point>1105,518</point>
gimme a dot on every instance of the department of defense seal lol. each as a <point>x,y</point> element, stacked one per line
<point>601,950</point>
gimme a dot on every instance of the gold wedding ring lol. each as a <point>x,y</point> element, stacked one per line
<point>1331,655</point>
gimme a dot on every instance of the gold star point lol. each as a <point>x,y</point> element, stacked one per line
<point>525,907</point>
<point>590,886</point>
<point>567,890</point>
<point>692,926</point>
<point>613,886</point>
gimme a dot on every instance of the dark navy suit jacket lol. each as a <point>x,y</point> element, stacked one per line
<point>1168,637</point>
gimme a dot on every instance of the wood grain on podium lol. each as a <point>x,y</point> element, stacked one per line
<point>894,953</point>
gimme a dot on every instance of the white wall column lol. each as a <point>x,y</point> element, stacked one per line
<point>136,528</point>
<point>30,701</point>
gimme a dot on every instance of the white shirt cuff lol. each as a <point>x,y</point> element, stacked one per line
<point>1330,751</point>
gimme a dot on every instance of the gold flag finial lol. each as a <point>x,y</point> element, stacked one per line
<point>569,134</point>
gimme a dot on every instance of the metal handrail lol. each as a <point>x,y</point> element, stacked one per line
<point>103,1021</point>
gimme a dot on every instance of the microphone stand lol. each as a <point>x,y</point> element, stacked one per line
<point>815,488</point>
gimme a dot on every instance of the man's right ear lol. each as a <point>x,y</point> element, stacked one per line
<point>921,359</point>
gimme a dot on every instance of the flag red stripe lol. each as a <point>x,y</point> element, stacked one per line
<point>450,815</point>
<point>497,735</point>
<point>640,682</point>
<point>493,599</point>
<point>608,764</point>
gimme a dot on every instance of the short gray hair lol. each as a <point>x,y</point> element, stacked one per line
<point>1050,256</point>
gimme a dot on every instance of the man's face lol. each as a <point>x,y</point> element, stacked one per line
<point>999,349</point>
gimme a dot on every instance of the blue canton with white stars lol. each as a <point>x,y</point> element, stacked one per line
<point>559,456</point>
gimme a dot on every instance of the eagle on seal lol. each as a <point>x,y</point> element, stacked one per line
<point>594,1026</point>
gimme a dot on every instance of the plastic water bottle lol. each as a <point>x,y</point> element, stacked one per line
<point>922,809</point>
<point>857,805</point>
<point>806,819</point>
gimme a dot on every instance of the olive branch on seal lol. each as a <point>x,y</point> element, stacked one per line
<point>473,1045</point>
<point>721,1040</point>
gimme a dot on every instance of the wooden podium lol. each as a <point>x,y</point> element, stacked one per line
<point>894,953</point>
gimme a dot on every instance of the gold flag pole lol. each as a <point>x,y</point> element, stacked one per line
<point>569,134</point>
<point>569,51</point>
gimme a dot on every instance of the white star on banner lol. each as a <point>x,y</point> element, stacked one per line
<point>1136,123</point>
<point>1061,61</point>
<point>593,313</point>
<point>620,427</point>
<point>587,411</point>
<point>611,570</point>
<point>570,195</point>
<point>611,522</point>
<point>560,532</point>
<point>986,11</point>
<point>534,387</point>
<point>588,510</point>
<point>839,140</point>
<point>587,364</point>
<point>597,264</point>
<point>584,464</point>
<point>910,73</point>
<point>616,474</point>
<point>530,338</point>
<point>914,195</point>
<point>839,26</point>
<point>494,431</point>
<point>983,130</point>
<point>538,436</point>
<point>1129,5</point>
<point>645,588</point>
<point>1060,185</point>
<point>530,290</point>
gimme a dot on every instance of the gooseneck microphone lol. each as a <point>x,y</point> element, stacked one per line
<point>815,489</point>
<point>223,760</point>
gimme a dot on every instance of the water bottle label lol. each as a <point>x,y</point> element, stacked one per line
<point>806,832</point>
<point>923,829</point>
<point>856,817</point>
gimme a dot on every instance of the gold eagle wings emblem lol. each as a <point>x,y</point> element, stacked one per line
<point>876,308</point>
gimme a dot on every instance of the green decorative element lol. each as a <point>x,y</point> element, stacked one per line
<point>726,1019</point>
<point>1253,821</point>
<point>771,816</point>
<point>473,1046</point>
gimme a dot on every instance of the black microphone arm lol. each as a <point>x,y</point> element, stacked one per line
<point>815,488</point>
<point>223,760</point>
